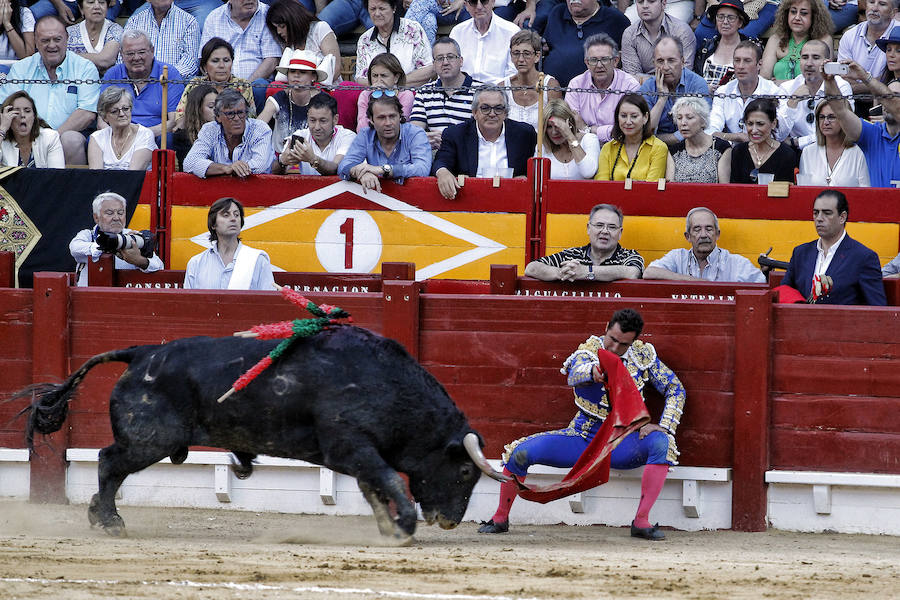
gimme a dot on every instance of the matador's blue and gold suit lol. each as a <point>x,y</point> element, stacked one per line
<point>561,448</point>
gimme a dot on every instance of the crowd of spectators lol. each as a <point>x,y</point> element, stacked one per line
<point>646,90</point>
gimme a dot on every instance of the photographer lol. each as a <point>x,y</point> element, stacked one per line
<point>318,149</point>
<point>133,249</point>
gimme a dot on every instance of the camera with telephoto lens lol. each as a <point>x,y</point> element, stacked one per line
<point>144,240</point>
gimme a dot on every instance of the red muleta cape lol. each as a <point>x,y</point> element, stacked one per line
<point>627,414</point>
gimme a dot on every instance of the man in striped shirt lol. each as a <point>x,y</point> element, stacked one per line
<point>438,105</point>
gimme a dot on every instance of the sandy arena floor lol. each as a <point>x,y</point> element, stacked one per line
<point>48,551</point>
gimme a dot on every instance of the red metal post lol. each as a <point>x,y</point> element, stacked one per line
<point>162,172</point>
<point>538,175</point>
<point>752,372</point>
<point>7,269</point>
<point>503,279</point>
<point>401,314</point>
<point>50,332</point>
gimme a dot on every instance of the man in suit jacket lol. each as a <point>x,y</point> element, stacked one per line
<point>854,270</point>
<point>486,145</point>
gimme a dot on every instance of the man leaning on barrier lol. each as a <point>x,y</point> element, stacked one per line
<point>70,109</point>
<point>132,249</point>
<point>603,259</point>
<point>704,261</point>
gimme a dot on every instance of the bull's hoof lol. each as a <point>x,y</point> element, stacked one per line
<point>94,511</point>
<point>241,472</point>
<point>179,456</point>
<point>403,540</point>
<point>115,526</point>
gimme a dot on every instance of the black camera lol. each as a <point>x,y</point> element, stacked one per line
<point>144,240</point>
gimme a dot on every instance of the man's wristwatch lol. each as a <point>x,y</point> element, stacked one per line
<point>387,170</point>
<point>315,164</point>
<point>574,144</point>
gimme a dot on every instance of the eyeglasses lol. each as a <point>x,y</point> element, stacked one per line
<point>580,32</point>
<point>135,54</point>
<point>810,105</point>
<point>754,175</point>
<point>380,93</point>
<point>234,115</point>
<point>122,110</point>
<point>726,18</point>
<point>827,118</point>
<point>517,54</point>
<point>487,109</point>
<point>604,60</point>
<point>605,227</point>
<point>476,2</point>
<point>445,58</point>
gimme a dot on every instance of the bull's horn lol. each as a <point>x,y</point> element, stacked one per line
<point>473,447</point>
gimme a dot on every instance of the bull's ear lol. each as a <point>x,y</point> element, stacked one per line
<point>455,447</point>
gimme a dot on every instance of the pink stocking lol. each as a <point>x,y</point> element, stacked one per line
<point>508,493</point>
<point>651,485</point>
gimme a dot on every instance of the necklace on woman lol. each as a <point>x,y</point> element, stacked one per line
<point>120,146</point>
<point>759,159</point>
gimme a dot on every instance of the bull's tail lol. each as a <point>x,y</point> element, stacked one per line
<point>50,401</point>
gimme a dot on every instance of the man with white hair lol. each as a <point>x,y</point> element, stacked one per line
<point>173,33</point>
<point>141,67</point>
<point>704,261</point>
<point>109,216</point>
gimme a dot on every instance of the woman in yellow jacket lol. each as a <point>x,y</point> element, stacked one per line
<point>633,152</point>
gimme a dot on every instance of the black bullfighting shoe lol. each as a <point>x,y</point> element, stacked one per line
<point>491,527</point>
<point>648,533</point>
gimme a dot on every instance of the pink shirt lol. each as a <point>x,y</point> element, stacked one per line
<point>406,98</point>
<point>598,110</point>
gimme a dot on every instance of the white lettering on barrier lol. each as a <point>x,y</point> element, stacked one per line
<point>572,293</point>
<point>363,289</point>
<point>154,286</point>
<point>728,297</point>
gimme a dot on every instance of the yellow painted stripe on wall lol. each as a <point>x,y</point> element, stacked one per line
<point>654,236</point>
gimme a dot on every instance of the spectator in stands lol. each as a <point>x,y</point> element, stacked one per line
<point>123,145</point>
<point>232,145</point>
<point>573,154</point>
<point>403,38</point>
<point>892,269</point>
<point>796,22</point>
<point>699,157</point>
<point>878,141</point>
<point>853,269</point>
<point>714,58</point>
<point>569,25</point>
<point>639,40</point>
<point>683,10</point>
<point>27,140</point>
<point>864,42</point>
<point>798,121</point>
<point>109,216</point>
<point>228,264</point>
<point>832,159</point>
<point>17,38</point>
<point>198,110</point>
<point>486,39</point>
<point>295,27</point>
<point>288,107</point>
<point>438,105</point>
<point>633,152</point>
<point>389,148</point>
<point>758,17</point>
<point>726,119</point>
<point>96,38</point>
<point>525,50</point>
<point>428,13</point>
<point>762,158</point>
<point>594,108</point>
<point>602,259</point>
<point>890,46</point>
<point>173,33</point>
<point>242,23</point>
<point>844,13</point>
<point>68,11</point>
<point>798,125</point>
<point>68,109</point>
<point>489,144</point>
<point>705,261</point>
<point>386,73</point>
<point>672,77</point>
<point>344,15</point>
<point>140,65</point>
<point>216,62</point>
<point>319,148</point>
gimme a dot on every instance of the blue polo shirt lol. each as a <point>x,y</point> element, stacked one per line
<point>882,153</point>
<point>56,102</point>
<point>690,83</point>
<point>147,110</point>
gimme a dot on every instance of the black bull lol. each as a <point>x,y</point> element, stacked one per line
<point>345,398</point>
